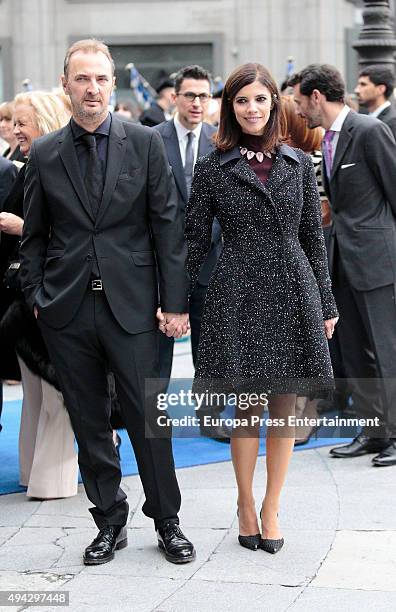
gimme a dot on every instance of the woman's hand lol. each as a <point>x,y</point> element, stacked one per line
<point>11,224</point>
<point>329,327</point>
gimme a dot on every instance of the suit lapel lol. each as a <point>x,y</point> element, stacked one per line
<point>344,140</point>
<point>174,157</point>
<point>115,157</point>
<point>205,144</point>
<point>67,152</point>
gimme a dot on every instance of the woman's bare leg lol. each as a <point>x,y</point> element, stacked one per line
<point>280,444</point>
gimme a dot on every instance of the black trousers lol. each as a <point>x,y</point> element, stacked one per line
<point>367,340</point>
<point>166,345</point>
<point>82,353</point>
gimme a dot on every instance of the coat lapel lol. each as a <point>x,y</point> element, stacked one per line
<point>281,171</point>
<point>67,152</point>
<point>115,157</point>
<point>205,144</point>
<point>344,140</point>
<point>174,158</point>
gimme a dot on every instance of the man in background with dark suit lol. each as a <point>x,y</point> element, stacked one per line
<point>101,218</point>
<point>359,166</point>
<point>160,110</point>
<point>187,137</point>
<point>374,91</point>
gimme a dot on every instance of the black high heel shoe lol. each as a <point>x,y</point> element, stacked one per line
<point>252,542</point>
<point>271,546</point>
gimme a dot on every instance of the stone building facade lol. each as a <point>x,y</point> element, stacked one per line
<point>159,36</point>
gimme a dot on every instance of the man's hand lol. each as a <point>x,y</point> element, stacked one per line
<point>35,312</point>
<point>11,224</point>
<point>173,324</point>
<point>329,327</point>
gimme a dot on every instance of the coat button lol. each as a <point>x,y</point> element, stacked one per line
<point>88,257</point>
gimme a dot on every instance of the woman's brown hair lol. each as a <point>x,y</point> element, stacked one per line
<point>229,131</point>
<point>297,133</point>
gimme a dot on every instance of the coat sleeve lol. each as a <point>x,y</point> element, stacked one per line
<point>312,240</point>
<point>36,232</point>
<point>199,221</point>
<point>166,225</point>
<point>8,176</point>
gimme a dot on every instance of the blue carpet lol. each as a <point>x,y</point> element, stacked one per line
<point>187,451</point>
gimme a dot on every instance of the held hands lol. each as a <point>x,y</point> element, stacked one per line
<point>173,324</point>
<point>329,327</point>
<point>11,224</point>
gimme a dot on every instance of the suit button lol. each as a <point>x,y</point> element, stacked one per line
<point>88,257</point>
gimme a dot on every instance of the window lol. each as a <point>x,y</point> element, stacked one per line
<point>157,61</point>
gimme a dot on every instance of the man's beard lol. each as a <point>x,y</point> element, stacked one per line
<point>82,113</point>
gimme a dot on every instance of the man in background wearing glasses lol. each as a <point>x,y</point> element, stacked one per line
<point>187,137</point>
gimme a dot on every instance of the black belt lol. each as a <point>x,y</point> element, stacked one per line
<point>96,284</point>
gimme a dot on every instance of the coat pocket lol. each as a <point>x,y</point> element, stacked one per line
<point>143,258</point>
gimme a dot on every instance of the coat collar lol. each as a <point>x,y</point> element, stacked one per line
<point>284,150</point>
<point>281,172</point>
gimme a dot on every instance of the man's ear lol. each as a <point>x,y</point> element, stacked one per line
<point>316,95</point>
<point>382,89</point>
<point>64,83</point>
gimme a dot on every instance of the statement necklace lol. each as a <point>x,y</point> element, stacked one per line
<point>258,154</point>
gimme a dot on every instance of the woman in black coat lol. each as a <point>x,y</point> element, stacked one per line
<point>269,305</point>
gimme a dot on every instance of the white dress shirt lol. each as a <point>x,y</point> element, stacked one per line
<point>337,127</point>
<point>182,137</point>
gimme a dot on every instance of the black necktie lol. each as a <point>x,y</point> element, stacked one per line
<point>189,165</point>
<point>94,173</point>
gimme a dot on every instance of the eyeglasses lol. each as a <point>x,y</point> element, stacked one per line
<point>191,96</point>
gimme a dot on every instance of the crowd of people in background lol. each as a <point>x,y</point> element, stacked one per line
<point>345,166</point>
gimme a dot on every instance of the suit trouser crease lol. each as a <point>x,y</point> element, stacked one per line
<point>367,334</point>
<point>83,352</point>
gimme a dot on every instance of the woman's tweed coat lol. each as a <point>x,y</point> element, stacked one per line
<point>271,290</point>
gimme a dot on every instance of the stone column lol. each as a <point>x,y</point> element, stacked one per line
<point>377,42</point>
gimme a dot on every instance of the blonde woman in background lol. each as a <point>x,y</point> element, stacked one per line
<point>12,152</point>
<point>47,456</point>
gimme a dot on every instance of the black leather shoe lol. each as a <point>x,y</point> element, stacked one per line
<point>109,539</point>
<point>174,543</point>
<point>361,445</point>
<point>387,456</point>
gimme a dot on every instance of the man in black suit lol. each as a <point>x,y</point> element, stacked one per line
<point>101,218</point>
<point>374,91</point>
<point>160,110</point>
<point>359,177</point>
<point>187,137</point>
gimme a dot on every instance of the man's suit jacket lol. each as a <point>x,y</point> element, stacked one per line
<point>152,116</point>
<point>388,116</point>
<point>137,231</point>
<point>362,194</point>
<point>8,173</point>
<point>205,145</point>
